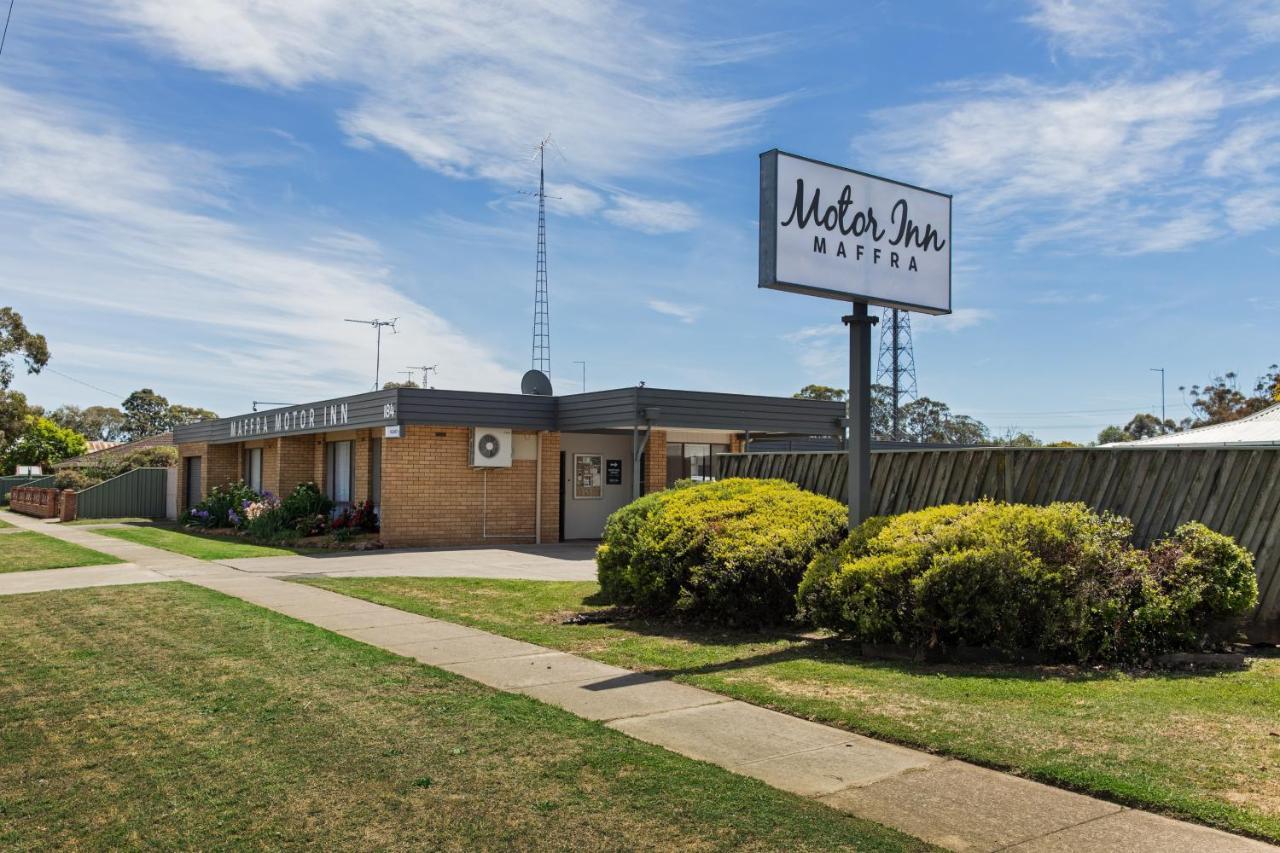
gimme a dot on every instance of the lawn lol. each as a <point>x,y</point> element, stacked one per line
<point>1205,747</point>
<point>193,544</point>
<point>225,725</point>
<point>27,551</point>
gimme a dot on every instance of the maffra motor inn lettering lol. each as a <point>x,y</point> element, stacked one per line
<point>292,420</point>
<point>834,232</point>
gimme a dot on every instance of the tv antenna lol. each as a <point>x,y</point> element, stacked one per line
<point>427,370</point>
<point>541,352</point>
<point>377,324</point>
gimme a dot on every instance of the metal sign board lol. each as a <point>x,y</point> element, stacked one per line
<point>842,234</point>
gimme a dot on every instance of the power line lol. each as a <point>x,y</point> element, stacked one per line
<point>5,33</point>
<point>85,384</point>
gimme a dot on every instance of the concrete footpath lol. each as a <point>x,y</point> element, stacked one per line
<point>950,803</point>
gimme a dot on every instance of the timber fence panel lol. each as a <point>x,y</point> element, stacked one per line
<point>1233,490</point>
<point>139,493</point>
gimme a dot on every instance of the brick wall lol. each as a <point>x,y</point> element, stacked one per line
<point>736,443</point>
<point>432,496</point>
<point>655,462</point>
<point>221,465</point>
<point>295,462</point>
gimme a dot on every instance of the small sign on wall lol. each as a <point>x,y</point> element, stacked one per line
<point>587,476</point>
<point>613,472</point>
<point>392,431</point>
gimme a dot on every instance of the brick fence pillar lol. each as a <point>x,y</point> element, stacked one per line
<point>67,506</point>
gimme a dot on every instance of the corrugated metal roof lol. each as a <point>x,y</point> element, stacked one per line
<point>1259,429</point>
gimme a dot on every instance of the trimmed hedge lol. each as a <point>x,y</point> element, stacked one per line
<point>1061,580</point>
<point>731,551</point>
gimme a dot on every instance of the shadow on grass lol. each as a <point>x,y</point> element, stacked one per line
<point>803,646</point>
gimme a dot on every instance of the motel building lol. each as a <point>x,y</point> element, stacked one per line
<point>471,468</point>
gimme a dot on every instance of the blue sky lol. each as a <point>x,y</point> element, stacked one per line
<point>194,195</point>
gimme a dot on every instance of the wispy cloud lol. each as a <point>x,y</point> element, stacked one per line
<point>957,320</point>
<point>96,218</point>
<point>466,88</point>
<point>651,216</point>
<point>1134,167</point>
<point>1091,28</point>
<point>683,312</point>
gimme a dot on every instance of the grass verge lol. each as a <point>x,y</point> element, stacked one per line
<point>230,726</point>
<point>1205,747</point>
<point>81,522</point>
<point>193,544</point>
<point>27,551</point>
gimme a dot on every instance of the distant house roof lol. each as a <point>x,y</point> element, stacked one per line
<point>111,449</point>
<point>1261,429</point>
<point>97,444</point>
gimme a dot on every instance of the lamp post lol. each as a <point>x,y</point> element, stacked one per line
<point>1160,370</point>
<point>584,375</point>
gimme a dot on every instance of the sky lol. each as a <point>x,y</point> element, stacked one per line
<point>194,196</point>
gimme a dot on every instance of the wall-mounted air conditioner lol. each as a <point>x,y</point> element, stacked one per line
<point>490,447</point>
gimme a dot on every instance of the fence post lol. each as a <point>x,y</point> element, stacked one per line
<point>67,509</point>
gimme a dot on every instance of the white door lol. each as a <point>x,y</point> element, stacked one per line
<point>597,480</point>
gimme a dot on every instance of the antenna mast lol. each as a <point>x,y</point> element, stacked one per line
<point>541,357</point>
<point>896,366</point>
<point>377,363</point>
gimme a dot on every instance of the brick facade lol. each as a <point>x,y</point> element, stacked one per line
<point>655,462</point>
<point>432,496</point>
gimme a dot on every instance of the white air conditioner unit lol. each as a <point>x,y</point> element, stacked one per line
<point>490,448</point>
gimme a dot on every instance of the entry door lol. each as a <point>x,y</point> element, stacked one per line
<point>595,480</point>
<point>193,480</point>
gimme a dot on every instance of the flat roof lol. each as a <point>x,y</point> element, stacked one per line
<point>621,408</point>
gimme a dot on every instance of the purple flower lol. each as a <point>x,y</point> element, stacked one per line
<point>233,518</point>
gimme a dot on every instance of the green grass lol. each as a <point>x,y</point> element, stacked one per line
<point>27,551</point>
<point>194,544</point>
<point>1205,747</point>
<point>225,725</point>
<point>4,523</point>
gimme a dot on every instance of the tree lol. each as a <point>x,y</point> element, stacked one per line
<point>96,423</point>
<point>148,413</point>
<point>145,413</point>
<point>1113,435</point>
<point>179,415</point>
<point>43,442</point>
<point>409,383</point>
<point>1222,400</point>
<point>16,338</point>
<point>1144,425</point>
<point>1017,439</point>
<point>821,392</point>
<point>14,413</point>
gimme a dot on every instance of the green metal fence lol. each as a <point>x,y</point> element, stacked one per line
<point>139,493</point>
<point>7,483</point>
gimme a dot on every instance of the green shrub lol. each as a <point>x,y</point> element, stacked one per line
<point>75,479</point>
<point>304,503</point>
<point>223,507</point>
<point>1060,579</point>
<point>731,551</point>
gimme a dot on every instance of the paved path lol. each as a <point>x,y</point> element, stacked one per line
<point>950,803</point>
<point>570,561</point>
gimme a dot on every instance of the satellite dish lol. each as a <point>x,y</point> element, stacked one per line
<point>535,382</point>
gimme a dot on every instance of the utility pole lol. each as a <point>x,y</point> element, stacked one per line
<point>584,375</point>
<point>377,363</point>
<point>1160,370</point>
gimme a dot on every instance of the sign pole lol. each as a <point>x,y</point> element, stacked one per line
<point>859,444</point>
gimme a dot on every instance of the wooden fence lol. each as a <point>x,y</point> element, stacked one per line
<point>139,493</point>
<point>1235,491</point>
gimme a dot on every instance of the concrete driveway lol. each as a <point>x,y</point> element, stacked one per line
<point>567,561</point>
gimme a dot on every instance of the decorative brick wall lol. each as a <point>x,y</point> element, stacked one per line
<point>35,501</point>
<point>432,496</point>
<point>655,462</point>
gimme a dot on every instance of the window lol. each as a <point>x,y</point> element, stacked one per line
<point>690,461</point>
<point>339,472</point>
<point>253,469</point>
